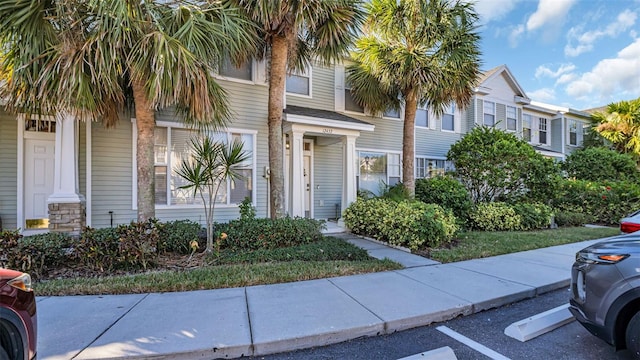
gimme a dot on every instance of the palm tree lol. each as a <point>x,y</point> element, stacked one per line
<point>97,58</point>
<point>620,124</point>
<point>296,32</point>
<point>415,52</point>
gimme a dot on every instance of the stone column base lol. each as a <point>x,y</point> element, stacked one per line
<point>67,217</point>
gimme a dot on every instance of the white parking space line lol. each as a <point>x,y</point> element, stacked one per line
<point>472,344</point>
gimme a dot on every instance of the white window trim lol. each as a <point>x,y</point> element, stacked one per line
<point>456,119</point>
<point>386,152</point>
<point>169,125</point>
<point>308,74</point>
<point>258,76</point>
<point>547,130</point>
<point>427,157</point>
<point>531,117</point>
<point>430,118</point>
<point>569,121</point>
<point>494,112</point>
<point>506,116</point>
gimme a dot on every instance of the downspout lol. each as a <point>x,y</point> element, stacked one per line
<point>564,135</point>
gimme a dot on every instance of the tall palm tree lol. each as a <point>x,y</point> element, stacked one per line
<point>95,58</point>
<point>620,124</point>
<point>295,33</point>
<point>415,52</point>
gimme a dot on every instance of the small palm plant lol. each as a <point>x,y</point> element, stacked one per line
<point>212,163</point>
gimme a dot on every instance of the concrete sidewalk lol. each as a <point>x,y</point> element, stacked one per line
<point>259,320</point>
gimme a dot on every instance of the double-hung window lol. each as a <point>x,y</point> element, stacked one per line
<point>391,113</point>
<point>349,102</point>
<point>448,118</point>
<point>573,132</point>
<point>172,146</point>
<point>511,118</point>
<point>427,167</point>
<point>526,127</point>
<point>299,83</point>
<point>377,169</point>
<point>489,112</point>
<point>243,71</point>
<point>542,130</point>
<point>422,116</point>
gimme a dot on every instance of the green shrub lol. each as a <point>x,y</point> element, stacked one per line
<point>36,254</point>
<point>327,249</point>
<point>605,201</point>
<point>97,249</point>
<point>261,233</point>
<point>493,164</point>
<point>363,216</point>
<point>411,224</point>
<point>495,216</point>
<point>533,216</point>
<point>600,164</point>
<point>247,211</point>
<point>572,218</point>
<point>175,236</point>
<point>395,193</point>
<point>138,247</point>
<point>446,192</point>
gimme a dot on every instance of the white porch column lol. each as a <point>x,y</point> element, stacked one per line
<point>349,172</point>
<point>66,205</point>
<point>296,180</point>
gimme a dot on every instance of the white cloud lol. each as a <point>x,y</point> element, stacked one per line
<point>542,95</point>
<point>515,35</point>
<point>549,12</point>
<point>585,40</point>
<point>490,10</point>
<point>611,79</point>
<point>545,71</point>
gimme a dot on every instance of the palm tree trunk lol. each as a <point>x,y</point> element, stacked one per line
<point>276,93</point>
<point>145,122</point>
<point>408,143</point>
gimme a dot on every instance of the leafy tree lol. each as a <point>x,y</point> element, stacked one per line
<point>415,52</point>
<point>495,165</point>
<point>620,124</point>
<point>295,33</point>
<point>211,164</point>
<point>597,164</point>
<point>95,59</point>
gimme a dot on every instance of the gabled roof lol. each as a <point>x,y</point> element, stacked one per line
<point>561,109</point>
<point>497,71</point>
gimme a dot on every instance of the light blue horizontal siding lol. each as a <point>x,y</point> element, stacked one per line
<point>328,163</point>
<point>322,90</point>
<point>8,170</point>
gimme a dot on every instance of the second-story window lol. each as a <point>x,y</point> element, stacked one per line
<point>422,116</point>
<point>489,118</point>
<point>448,118</point>
<point>542,130</point>
<point>511,118</point>
<point>573,132</point>
<point>391,113</point>
<point>299,83</point>
<point>526,127</point>
<point>349,103</point>
<point>243,72</point>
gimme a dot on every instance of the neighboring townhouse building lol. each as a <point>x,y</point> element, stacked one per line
<point>59,173</point>
<point>500,102</point>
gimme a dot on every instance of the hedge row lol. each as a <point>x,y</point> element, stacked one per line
<point>411,224</point>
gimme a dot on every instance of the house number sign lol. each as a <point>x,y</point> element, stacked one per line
<point>327,131</point>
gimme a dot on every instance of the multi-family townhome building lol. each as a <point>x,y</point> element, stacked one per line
<point>56,172</point>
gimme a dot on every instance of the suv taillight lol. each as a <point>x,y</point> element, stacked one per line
<point>626,227</point>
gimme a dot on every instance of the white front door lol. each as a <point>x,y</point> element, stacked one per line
<point>308,178</point>
<point>38,179</point>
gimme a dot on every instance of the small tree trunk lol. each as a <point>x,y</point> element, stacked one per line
<point>408,143</point>
<point>146,123</point>
<point>276,92</point>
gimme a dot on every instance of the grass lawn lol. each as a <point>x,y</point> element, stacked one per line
<point>328,258</point>
<point>479,244</point>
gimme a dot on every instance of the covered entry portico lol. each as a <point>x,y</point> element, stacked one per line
<point>305,128</point>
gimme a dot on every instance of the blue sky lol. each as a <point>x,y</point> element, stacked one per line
<point>574,53</point>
